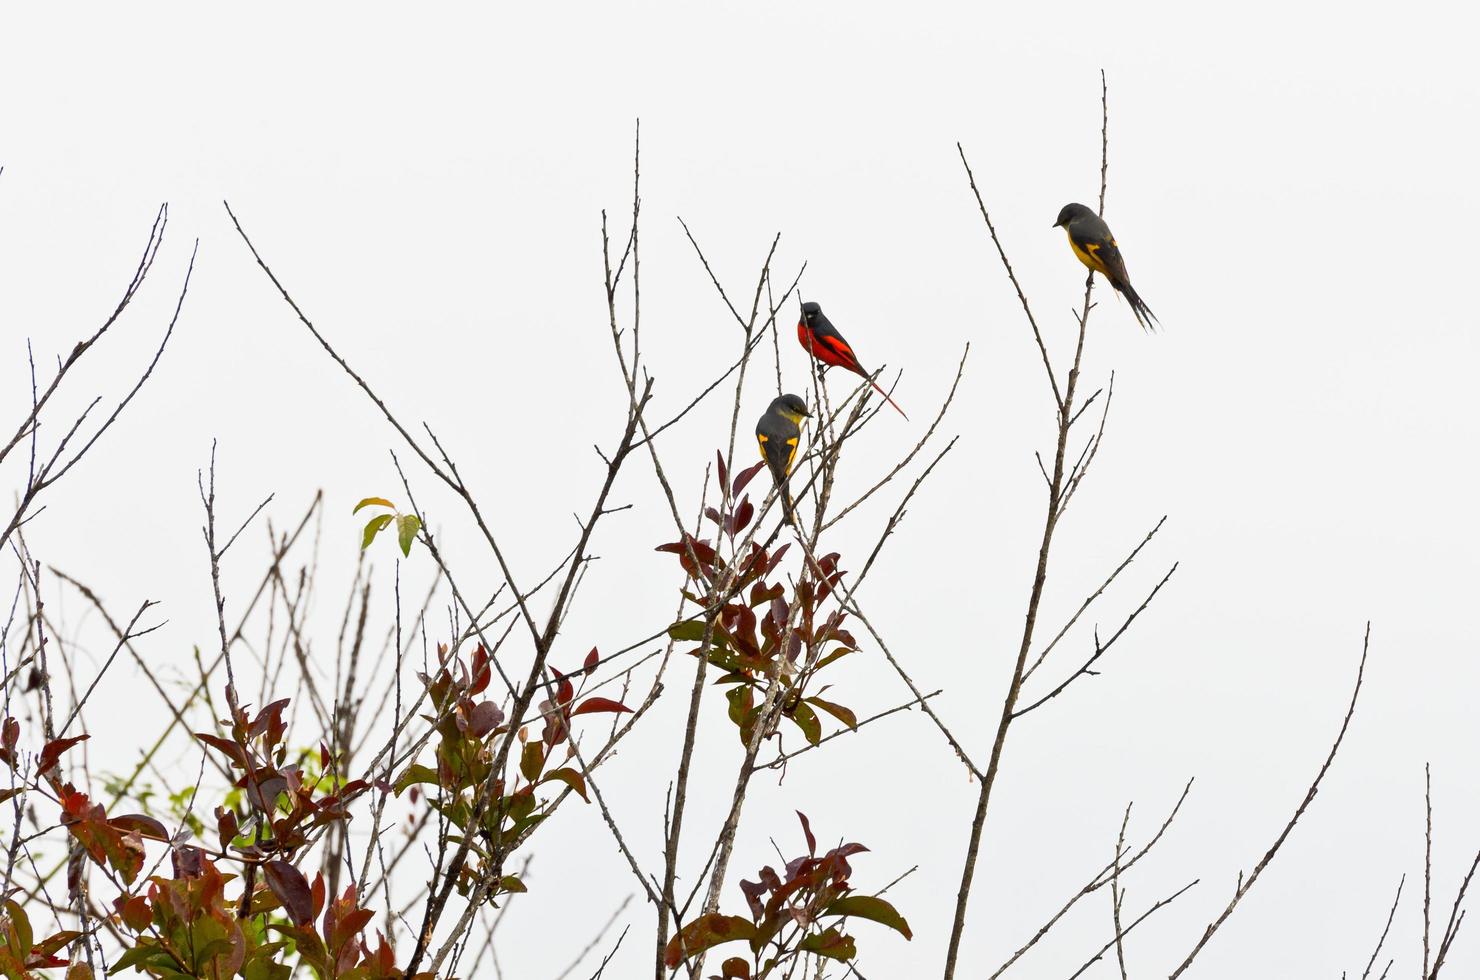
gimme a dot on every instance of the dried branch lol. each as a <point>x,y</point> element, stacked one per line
<point>1100,648</point>
<point>1100,879</point>
<point>1246,882</point>
<point>1138,920</point>
<point>1065,401</point>
<point>1091,598</point>
<point>1367,971</point>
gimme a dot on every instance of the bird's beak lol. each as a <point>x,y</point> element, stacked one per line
<point>1056,224</point>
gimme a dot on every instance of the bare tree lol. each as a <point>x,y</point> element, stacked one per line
<point>439,708</point>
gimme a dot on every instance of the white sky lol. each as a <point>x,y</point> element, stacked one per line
<point>1293,188</point>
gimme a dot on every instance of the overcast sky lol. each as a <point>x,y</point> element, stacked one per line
<point>1292,186</point>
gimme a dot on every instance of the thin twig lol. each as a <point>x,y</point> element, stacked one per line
<point>1246,882</point>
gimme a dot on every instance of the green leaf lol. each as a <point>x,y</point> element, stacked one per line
<point>837,653</point>
<point>265,963</point>
<point>742,700</point>
<point>211,950</point>
<point>406,527</point>
<point>20,923</point>
<point>376,525</point>
<point>830,943</point>
<point>706,932</point>
<point>806,720</point>
<point>519,805</point>
<point>688,630</point>
<point>373,502</point>
<point>415,774</point>
<point>532,760</point>
<point>141,955</point>
<point>869,907</point>
<point>570,778</point>
<point>845,715</point>
<point>511,883</point>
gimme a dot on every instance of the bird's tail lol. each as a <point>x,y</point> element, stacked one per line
<point>1144,316</point>
<point>788,510</point>
<point>885,395</point>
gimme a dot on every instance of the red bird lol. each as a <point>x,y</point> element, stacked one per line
<point>821,339</point>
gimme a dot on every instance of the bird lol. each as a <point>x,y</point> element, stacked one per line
<point>821,339</point>
<point>1094,245</point>
<point>778,432</point>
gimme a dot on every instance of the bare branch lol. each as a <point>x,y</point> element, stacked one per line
<point>1100,648</point>
<point>1388,925</point>
<point>1246,882</point>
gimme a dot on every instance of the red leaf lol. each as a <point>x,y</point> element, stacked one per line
<point>105,844</point>
<point>482,670</point>
<point>347,927</point>
<point>140,824</point>
<point>754,892</point>
<point>227,747</point>
<point>807,829</point>
<point>226,825</point>
<point>745,476</point>
<point>724,472</point>
<point>54,750</point>
<point>780,610</point>
<point>592,660</point>
<point>319,893</point>
<point>741,518</point>
<point>703,933</point>
<point>385,957</point>
<point>188,862</point>
<point>594,704</point>
<point>136,913</point>
<point>52,943</point>
<point>702,550</point>
<point>563,691</point>
<point>557,725</point>
<point>291,888</point>
<point>269,722</point>
<point>484,718</point>
<point>11,734</point>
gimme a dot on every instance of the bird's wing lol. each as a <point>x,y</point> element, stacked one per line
<point>828,346</point>
<point>1101,254</point>
<point>778,449</point>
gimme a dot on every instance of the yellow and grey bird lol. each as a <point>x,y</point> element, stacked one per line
<point>1093,244</point>
<point>778,432</point>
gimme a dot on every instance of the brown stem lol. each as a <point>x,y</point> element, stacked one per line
<point>1056,490</point>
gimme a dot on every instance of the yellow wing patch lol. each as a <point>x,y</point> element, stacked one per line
<point>792,454</point>
<point>1088,256</point>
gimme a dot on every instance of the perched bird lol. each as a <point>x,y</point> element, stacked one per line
<point>1092,242</point>
<point>778,432</point>
<point>821,339</point>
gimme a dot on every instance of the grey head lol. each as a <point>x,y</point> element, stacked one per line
<point>792,406</point>
<point>1071,211</point>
